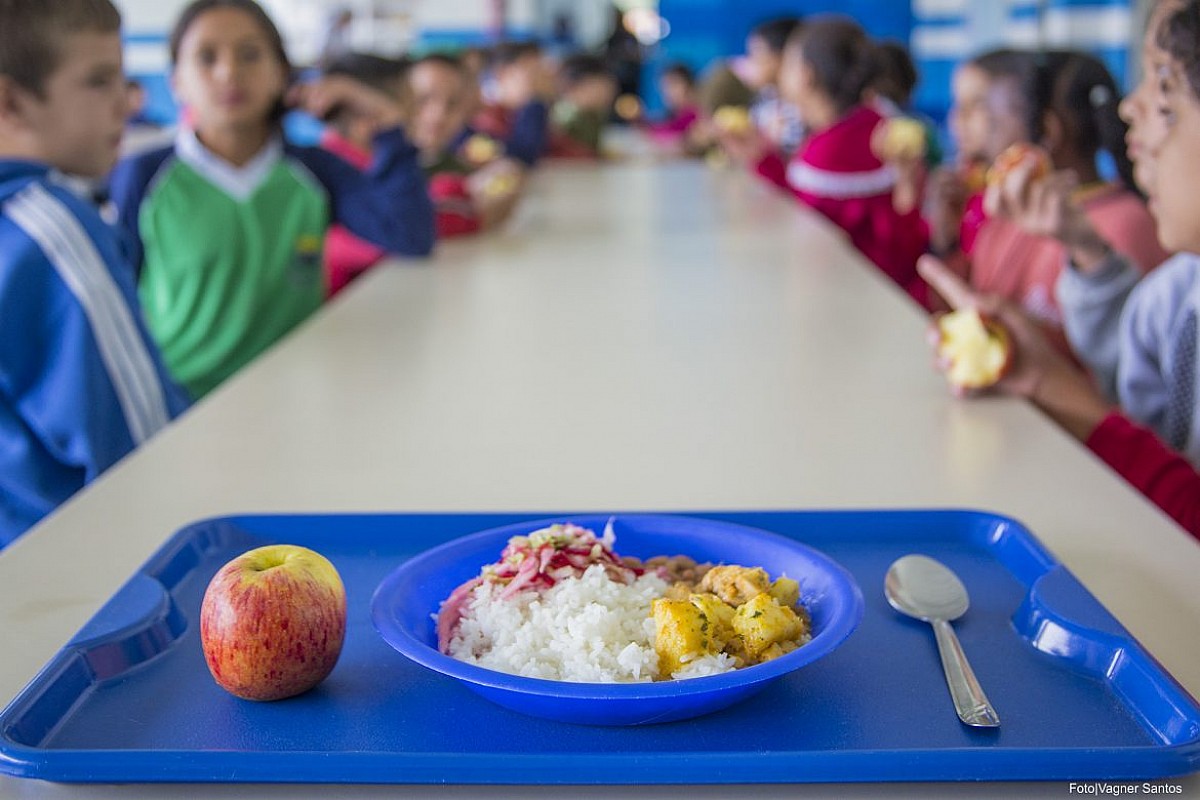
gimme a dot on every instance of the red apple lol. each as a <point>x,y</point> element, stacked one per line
<point>1015,155</point>
<point>979,350</point>
<point>272,622</point>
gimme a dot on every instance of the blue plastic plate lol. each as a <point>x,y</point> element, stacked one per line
<point>406,601</point>
<point>129,699</point>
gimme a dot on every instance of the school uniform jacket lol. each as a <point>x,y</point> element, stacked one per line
<point>81,383</point>
<point>836,173</point>
<point>229,259</point>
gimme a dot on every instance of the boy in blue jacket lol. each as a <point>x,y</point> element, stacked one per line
<point>80,382</point>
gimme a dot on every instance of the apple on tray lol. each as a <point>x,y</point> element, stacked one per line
<point>978,350</point>
<point>272,622</point>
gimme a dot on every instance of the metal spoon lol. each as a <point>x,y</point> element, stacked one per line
<point>928,590</point>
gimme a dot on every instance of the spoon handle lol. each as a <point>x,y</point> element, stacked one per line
<point>969,700</point>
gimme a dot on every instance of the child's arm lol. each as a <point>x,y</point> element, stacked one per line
<point>79,387</point>
<point>1141,458</point>
<point>389,204</point>
<point>1091,304</point>
<point>527,140</point>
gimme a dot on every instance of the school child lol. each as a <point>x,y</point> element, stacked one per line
<point>470,194</point>
<point>677,85</point>
<point>986,118</point>
<point>774,115</point>
<point>81,383</point>
<point>229,222</point>
<point>516,114</point>
<point>348,135</point>
<point>1066,102</point>
<point>578,118</point>
<point>827,66</point>
<point>1071,112</point>
<point>1154,341</point>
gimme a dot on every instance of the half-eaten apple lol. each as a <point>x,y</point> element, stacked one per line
<point>978,350</point>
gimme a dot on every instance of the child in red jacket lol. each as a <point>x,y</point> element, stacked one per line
<point>827,66</point>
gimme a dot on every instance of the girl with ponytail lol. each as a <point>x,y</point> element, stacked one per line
<point>1069,109</point>
<point>827,67</point>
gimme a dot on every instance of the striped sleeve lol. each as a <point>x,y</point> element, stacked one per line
<point>123,350</point>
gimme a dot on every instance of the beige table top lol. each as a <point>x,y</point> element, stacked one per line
<point>642,336</point>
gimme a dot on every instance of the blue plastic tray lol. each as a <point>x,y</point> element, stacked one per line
<point>129,699</point>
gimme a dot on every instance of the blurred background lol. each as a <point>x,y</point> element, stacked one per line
<point>642,36</point>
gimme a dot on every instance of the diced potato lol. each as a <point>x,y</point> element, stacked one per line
<point>762,622</point>
<point>786,591</point>
<point>719,615</point>
<point>735,585</point>
<point>682,633</point>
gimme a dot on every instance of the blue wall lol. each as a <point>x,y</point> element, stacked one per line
<point>703,30</point>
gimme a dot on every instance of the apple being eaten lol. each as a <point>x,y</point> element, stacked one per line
<point>978,351</point>
<point>1014,156</point>
<point>272,622</point>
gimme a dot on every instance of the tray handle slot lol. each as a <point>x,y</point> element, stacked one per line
<point>1061,618</point>
<point>140,621</point>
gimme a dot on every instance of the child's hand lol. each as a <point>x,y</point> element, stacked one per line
<point>1046,207</point>
<point>747,146</point>
<point>1034,357</point>
<point>1039,372</point>
<point>946,194</point>
<point>327,96</point>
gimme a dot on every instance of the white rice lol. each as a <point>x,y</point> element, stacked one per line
<point>587,629</point>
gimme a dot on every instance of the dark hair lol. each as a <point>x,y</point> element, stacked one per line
<point>841,57</point>
<point>1075,86</point>
<point>1021,68</point>
<point>375,71</point>
<point>581,66</point>
<point>776,32</point>
<point>32,34</point>
<point>681,71</point>
<point>447,60</point>
<point>722,87</point>
<point>1080,90</point>
<point>897,76</point>
<point>1179,35</point>
<point>198,7</point>
<point>507,53</point>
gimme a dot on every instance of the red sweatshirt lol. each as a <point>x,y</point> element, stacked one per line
<point>836,173</point>
<point>1141,458</point>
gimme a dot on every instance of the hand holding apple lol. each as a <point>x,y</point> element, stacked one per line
<point>1016,155</point>
<point>272,622</point>
<point>1038,371</point>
